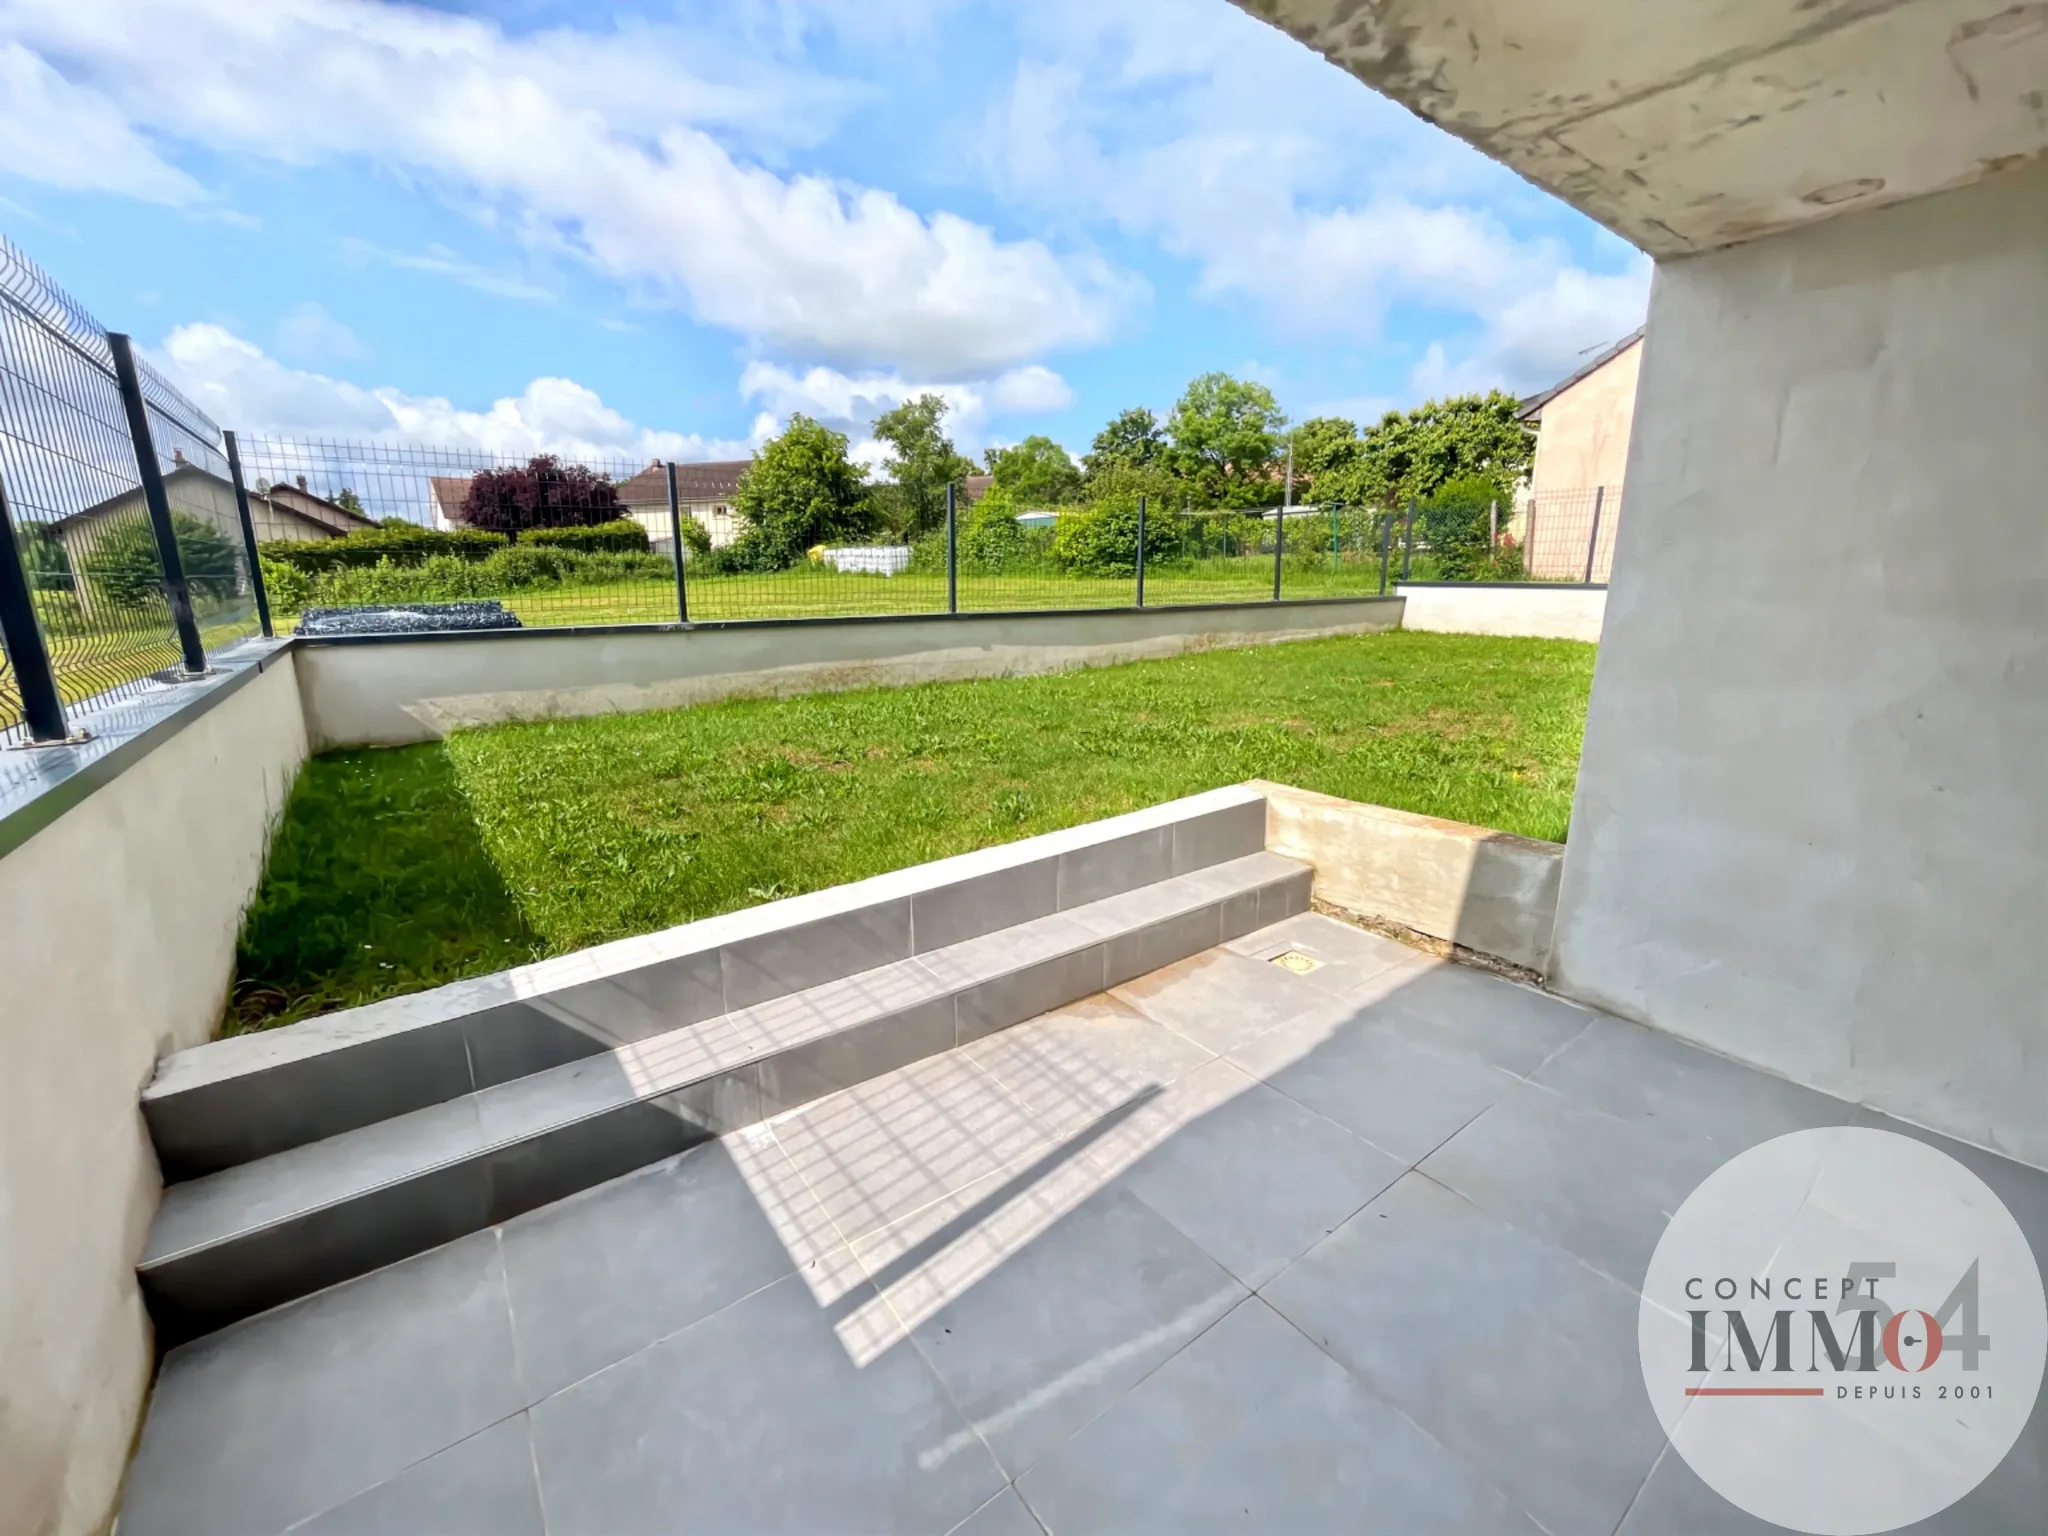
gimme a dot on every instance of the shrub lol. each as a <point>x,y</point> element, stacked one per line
<point>395,541</point>
<point>125,571</point>
<point>541,493</point>
<point>446,579</point>
<point>1456,523</point>
<point>620,536</point>
<point>1102,540</point>
<point>285,585</point>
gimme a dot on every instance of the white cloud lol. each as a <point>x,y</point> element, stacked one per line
<point>310,333</point>
<point>439,261</point>
<point>1541,335</point>
<point>236,382</point>
<point>851,402</point>
<point>598,144</point>
<point>67,135</point>
<point>1289,184</point>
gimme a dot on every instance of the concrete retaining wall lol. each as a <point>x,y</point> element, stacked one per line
<point>1538,612</point>
<point>117,935</point>
<point>1811,816</point>
<point>387,693</point>
<point>1485,891</point>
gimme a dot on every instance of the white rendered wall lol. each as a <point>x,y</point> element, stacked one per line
<point>117,941</point>
<point>1535,611</point>
<point>1811,829</point>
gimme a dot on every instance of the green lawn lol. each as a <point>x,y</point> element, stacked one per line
<point>395,870</point>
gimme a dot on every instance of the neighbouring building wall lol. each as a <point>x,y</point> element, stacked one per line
<point>1812,815</point>
<point>1583,438</point>
<point>1568,521</point>
<point>117,939</point>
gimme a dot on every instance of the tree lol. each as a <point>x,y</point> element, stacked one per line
<point>801,490</point>
<point>1226,435</point>
<point>46,559</point>
<point>922,461</point>
<point>1414,454</point>
<point>541,493</point>
<point>1132,440</point>
<point>124,569</point>
<point>1036,473</point>
<point>1323,445</point>
<point>349,501</point>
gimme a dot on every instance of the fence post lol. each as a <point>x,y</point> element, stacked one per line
<point>1279,544</point>
<point>1593,538</point>
<point>1141,551</point>
<point>675,534</point>
<point>248,534</point>
<point>952,553</point>
<point>42,707</point>
<point>1408,540</point>
<point>177,592</point>
<point>1492,526</point>
<point>1386,549</point>
<point>1529,540</point>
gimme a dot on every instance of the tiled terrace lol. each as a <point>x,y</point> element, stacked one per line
<point>1230,1248</point>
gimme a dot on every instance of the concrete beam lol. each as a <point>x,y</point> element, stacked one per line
<point>1686,128</point>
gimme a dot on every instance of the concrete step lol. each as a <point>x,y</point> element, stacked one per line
<point>232,1101</point>
<point>247,1238</point>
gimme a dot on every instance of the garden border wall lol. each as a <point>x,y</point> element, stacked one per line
<point>390,690</point>
<point>1528,610</point>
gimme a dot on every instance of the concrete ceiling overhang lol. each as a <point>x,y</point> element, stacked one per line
<point>1683,125</point>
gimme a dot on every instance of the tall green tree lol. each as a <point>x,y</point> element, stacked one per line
<point>1323,445</point>
<point>922,461</point>
<point>1416,453</point>
<point>1036,473</point>
<point>800,491</point>
<point>1227,436</point>
<point>1133,440</point>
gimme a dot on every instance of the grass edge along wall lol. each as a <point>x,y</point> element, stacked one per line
<point>538,838</point>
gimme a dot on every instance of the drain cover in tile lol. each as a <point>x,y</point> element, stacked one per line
<point>1294,960</point>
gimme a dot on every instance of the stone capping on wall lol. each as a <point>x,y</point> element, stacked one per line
<point>1489,893</point>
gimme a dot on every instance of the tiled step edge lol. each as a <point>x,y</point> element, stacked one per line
<point>248,1238</point>
<point>250,1096</point>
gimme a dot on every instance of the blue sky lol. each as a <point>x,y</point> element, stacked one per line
<point>656,229</point>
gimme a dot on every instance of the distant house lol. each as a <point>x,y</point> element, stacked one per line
<point>281,511</point>
<point>1582,426</point>
<point>703,491</point>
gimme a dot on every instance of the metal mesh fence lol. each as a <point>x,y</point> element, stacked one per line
<point>68,468</point>
<point>555,541</point>
<point>1551,537</point>
<point>1568,535</point>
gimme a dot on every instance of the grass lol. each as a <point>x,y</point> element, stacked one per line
<point>395,870</point>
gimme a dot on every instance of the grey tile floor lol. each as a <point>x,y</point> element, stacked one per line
<point>1178,1258</point>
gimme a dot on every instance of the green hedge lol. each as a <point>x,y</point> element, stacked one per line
<point>621,536</point>
<point>397,543</point>
<point>448,578</point>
